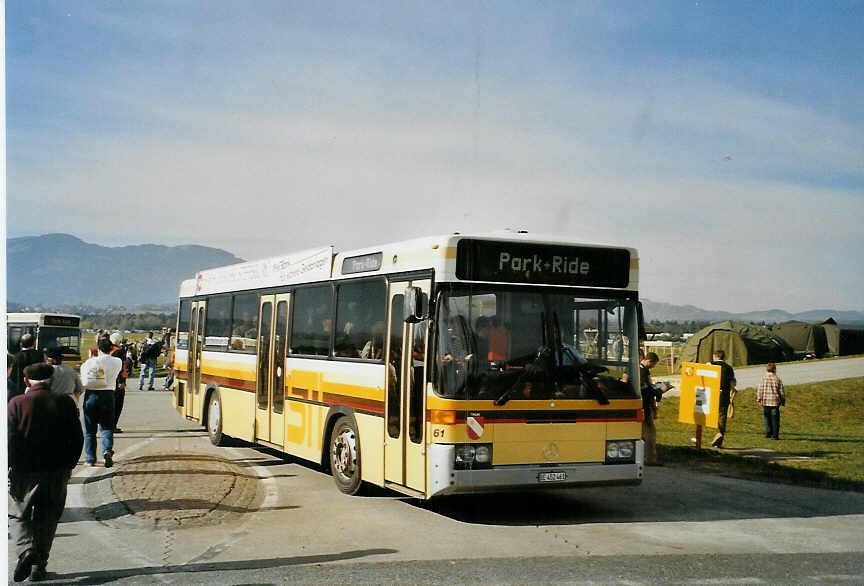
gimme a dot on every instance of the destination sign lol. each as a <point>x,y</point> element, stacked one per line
<point>62,320</point>
<point>549,264</point>
<point>362,264</point>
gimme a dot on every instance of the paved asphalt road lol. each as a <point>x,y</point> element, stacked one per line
<point>677,527</point>
<point>792,373</point>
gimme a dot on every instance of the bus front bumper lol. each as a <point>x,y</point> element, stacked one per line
<point>445,480</point>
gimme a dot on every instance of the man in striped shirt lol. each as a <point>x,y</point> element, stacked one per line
<point>771,396</point>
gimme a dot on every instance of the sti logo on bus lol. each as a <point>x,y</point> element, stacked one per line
<point>542,264</point>
<point>535,264</point>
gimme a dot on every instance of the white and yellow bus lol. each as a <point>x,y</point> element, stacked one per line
<point>52,330</point>
<point>434,366</point>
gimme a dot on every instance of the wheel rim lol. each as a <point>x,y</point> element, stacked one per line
<point>344,454</point>
<point>214,417</point>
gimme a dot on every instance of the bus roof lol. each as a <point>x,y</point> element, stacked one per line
<point>38,317</point>
<point>433,252</point>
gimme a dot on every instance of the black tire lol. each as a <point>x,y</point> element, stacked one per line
<point>214,420</point>
<point>345,456</point>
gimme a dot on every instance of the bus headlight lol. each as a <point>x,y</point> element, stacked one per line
<point>620,452</point>
<point>473,456</point>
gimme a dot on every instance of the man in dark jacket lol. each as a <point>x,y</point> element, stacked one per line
<point>651,396</point>
<point>44,443</point>
<point>727,394</point>
<point>27,356</point>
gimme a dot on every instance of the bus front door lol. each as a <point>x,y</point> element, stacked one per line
<point>404,453</point>
<point>270,375</point>
<point>196,342</point>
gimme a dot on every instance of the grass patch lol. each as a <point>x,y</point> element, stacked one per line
<point>821,437</point>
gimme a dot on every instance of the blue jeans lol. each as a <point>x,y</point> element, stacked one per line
<point>151,365</point>
<point>98,410</point>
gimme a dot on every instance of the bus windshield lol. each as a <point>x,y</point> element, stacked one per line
<point>509,344</point>
<point>69,339</point>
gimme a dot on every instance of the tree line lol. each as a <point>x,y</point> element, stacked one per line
<point>129,321</point>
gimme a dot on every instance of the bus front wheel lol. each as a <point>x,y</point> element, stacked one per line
<point>345,456</point>
<point>214,420</point>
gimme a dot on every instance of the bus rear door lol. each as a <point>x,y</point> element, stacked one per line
<point>196,342</point>
<point>270,370</point>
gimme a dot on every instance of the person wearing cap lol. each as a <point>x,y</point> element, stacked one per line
<point>118,350</point>
<point>44,443</point>
<point>65,380</point>
<point>99,377</point>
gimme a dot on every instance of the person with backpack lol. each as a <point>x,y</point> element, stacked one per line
<point>149,354</point>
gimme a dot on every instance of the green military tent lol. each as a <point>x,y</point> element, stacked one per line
<point>851,340</point>
<point>832,336</point>
<point>743,344</point>
<point>805,339</point>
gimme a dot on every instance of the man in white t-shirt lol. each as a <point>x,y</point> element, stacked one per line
<point>99,377</point>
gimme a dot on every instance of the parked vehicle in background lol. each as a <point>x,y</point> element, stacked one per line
<point>52,330</point>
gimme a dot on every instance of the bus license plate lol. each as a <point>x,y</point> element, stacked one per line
<point>552,476</point>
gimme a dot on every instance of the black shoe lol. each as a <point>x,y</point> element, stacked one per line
<point>151,389</point>
<point>24,565</point>
<point>118,430</point>
<point>767,435</point>
<point>718,441</point>
<point>109,460</point>
<point>38,573</point>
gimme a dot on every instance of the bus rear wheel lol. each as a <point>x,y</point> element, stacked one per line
<point>214,420</point>
<point>345,456</point>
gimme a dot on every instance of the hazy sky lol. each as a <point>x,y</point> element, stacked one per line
<point>724,140</point>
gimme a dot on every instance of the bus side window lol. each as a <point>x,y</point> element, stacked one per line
<point>312,321</point>
<point>360,315</point>
<point>183,321</point>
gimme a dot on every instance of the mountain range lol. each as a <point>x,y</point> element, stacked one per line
<point>654,310</point>
<point>62,270</point>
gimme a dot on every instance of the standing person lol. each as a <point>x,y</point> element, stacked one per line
<point>129,360</point>
<point>99,377</point>
<point>166,340</point>
<point>44,442</point>
<point>727,394</point>
<point>148,357</point>
<point>169,372</point>
<point>118,350</point>
<point>25,357</point>
<point>65,380</point>
<point>651,396</point>
<point>771,395</point>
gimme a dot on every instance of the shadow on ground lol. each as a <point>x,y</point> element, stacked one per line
<point>106,576</point>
